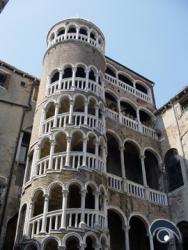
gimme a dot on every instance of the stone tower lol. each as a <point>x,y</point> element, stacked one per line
<point>94,176</point>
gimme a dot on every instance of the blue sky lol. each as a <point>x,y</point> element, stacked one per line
<point>148,36</point>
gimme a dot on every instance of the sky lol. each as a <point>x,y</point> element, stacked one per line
<point>148,36</point>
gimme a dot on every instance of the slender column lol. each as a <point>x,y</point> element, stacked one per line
<point>27,219</point>
<point>97,83</point>
<point>45,210</point>
<point>84,152</point>
<point>26,170</point>
<point>55,115</point>
<point>96,193</point>
<point>139,122</point>
<point>97,114</point>
<point>77,32</point>
<point>71,111</point>
<point>42,122</point>
<point>123,173</point>
<point>60,79</point>
<point>73,77</point>
<point>67,161</point>
<point>85,112</point>
<point>87,78</point>
<point>51,154</point>
<point>35,159</point>
<point>97,155</point>
<point>83,198</point>
<point>105,213</point>
<point>82,246</point>
<point>105,153</point>
<point>142,157</point>
<point>126,231</point>
<point>64,207</point>
<point>151,241</point>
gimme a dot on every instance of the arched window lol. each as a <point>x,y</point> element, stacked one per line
<point>64,105</point>
<point>91,144</point>
<point>141,88</point>
<point>111,102</point>
<point>101,148</point>
<point>90,243</point>
<point>67,73</point>
<point>79,104</point>
<point>92,75</point>
<point>72,29</point>
<point>80,72</point>
<point>145,118</point>
<point>101,199</point>
<point>45,148</point>
<point>124,79</point>
<point>138,237</point>
<point>61,143</point>
<point>61,31</point>
<point>115,226</point>
<point>50,110</point>
<point>83,31</point>
<point>173,169</point>
<point>93,35</point>
<point>110,72</point>
<point>55,198</point>
<point>128,110</point>
<point>91,106</point>
<point>90,198</point>
<point>52,36</point>
<point>38,203</point>
<point>152,170</point>
<point>72,243</point>
<point>51,244</point>
<point>77,141</point>
<point>54,77</point>
<point>74,197</point>
<point>113,156</point>
<point>132,161</point>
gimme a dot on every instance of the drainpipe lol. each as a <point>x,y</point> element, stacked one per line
<point>26,108</point>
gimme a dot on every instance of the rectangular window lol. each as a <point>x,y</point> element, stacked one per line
<point>3,78</point>
<point>184,105</point>
<point>24,147</point>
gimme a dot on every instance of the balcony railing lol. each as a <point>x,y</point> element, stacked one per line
<point>137,190</point>
<point>91,218</point>
<point>79,83</point>
<point>128,88</point>
<point>132,124</point>
<point>78,119</point>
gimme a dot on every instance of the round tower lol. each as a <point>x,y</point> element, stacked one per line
<point>65,185</point>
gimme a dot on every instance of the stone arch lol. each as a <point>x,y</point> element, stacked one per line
<point>77,140</point>
<point>21,223</point>
<point>92,105</point>
<point>64,104</point>
<point>49,109</point>
<point>91,141</point>
<point>83,30</point>
<point>54,76</point>
<point>71,28</point>
<point>146,117</point>
<point>91,240</point>
<point>44,147</point>
<point>81,70</point>
<point>111,101</point>
<point>38,202</point>
<point>50,243</point>
<point>74,195</point>
<point>142,87</point>
<point>60,142</point>
<point>93,34</point>
<point>91,188</point>
<point>110,70</point>
<point>79,103</point>
<point>69,236</point>
<point>126,78</point>
<point>55,197</point>
<point>61,31</point>
<point>128,108</point>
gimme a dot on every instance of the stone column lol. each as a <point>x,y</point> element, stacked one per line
<point>151,241</point>
<point>27,218</point>
<point>97,155</point>
<point>83,198</point>
<point>126,231</point>
<point>142,157</point>
<point>42,122</point>
<point>55,115</point>
<point>84,152</point>
<point>138,118</point>
<point>35,159</point>
<point>67,161</point>
<point>85,112</point>
<point>87,78</point>
<point>64,207</point>
<point>73,77</point>
<point>51,154</point>
<point>71,112</point>
<point>45,210</point>
<point>96,193</point>
<point>97,114</point>
<point>105,212</point>
<point>60,79</point>
<point>82,246</point>
<point>123,172</point>
<point>77,32</point>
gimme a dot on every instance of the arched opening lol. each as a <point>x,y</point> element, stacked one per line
<point>110,72</point>
<point>132,161</point>
<point>125,79</point>
<point>101,148</point>
<point>93,35</point>
<point>67,73</point>
<point>83,31</point>
<point>141,88</point>
<point>45,148</point>
<point>111,102</point>
<point>28,168</point>
<point>183,227</point>
<point>91,106</point>
<point>91,143</point>
<point>90,243</point>
<point>145,118</point>
<point>61,31</point>
<point>21,223</point>
<point>92,75</point>
<point>115,226</point>
<point>173,169</point>
<point>101,199</point>
<point>10,233</point>
<point>90,198</point>
<point>138,238</point>
<point>51,244</point>
<point>61,143</point>
<point>101,110</point>
<point>80,72</point>
<point>77,141</point>
<point>72,243</point>
<point>128,110</point>
<point>78,104</point>
<point>113,156</point>
<point>152,170</point>
<point>74,197</point>
<point>52,36</point>
<point>64,105</point>
<point>55,198</point>
<point>38,203</point>
<point>99,80</point>
<point>50,110</point>
<point>71,29</point>
<point>54,77</point>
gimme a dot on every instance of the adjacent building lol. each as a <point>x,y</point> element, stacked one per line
<point>2,4</point>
